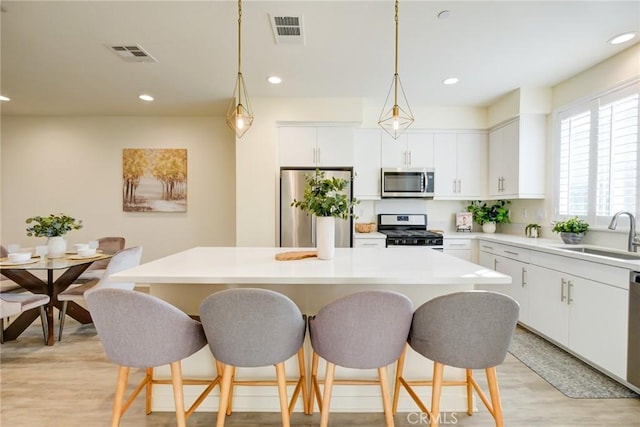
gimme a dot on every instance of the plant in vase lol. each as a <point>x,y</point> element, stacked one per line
<point>488,215</point>
<point>325,198</point>
<point>572,230</point>
<point>53,227</point>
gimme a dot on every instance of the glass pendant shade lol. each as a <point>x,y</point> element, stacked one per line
<point>396,115</point>
<point>239,115</point>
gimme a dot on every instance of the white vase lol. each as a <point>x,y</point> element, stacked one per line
<point>325,236</point>
<point>56,247</point>
<point>489,227</point>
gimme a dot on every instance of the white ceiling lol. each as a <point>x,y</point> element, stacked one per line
<point>55,58</point>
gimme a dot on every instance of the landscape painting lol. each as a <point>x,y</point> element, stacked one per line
<point>154,180</point>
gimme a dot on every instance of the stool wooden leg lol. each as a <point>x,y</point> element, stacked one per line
<point>282,393</point>
<point>149,391</point>
<point>233,378</point>
<point>492,381</point>
<point>178,396</point>
<point>121,386</point>
<point>386,400</point>
<point>225,388</point>
<point>396,384</point>
<point>326,398</point>
<point>436,391</point>
<point>469,379</point>
<point>303,381</point>
<point>315,388</point>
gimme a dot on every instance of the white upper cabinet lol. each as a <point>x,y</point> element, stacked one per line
<point>516,158</point>
<point>330,146</point>
<point>366,183</point>
<point>410,150</point>
<point>461,165</point>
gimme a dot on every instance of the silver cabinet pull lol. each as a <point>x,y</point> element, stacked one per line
<point>495,264</point>
<point>409,158</point>
<point>511,253</point>
<point>563,282</point>
<point>524,277</point>
<point>569,299</point>
<point>459,186</point>
<point>455,188</point>
<point>487,247</point>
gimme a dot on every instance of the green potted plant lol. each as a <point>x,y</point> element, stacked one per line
<point>571,230</point>
<point>488,215</point>
<point>53,227</point>
<point>326,199</point>
<point>532,230</point>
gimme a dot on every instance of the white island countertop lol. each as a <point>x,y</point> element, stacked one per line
<point>257,265</point>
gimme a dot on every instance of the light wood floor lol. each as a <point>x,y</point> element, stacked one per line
<point>72,384</point>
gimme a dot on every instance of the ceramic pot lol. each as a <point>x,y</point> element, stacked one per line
<point>56,247</point>
<point>325,237</point>
<point>571,238</point>
<point>489,227</point>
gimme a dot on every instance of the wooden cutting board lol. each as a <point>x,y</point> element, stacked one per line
<point>294,255</point>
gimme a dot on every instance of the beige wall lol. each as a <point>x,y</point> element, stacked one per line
<point>74,165</point>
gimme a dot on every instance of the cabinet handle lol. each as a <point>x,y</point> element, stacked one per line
<point>318,160</point>
<point>409,158</point>
<point>569,299</point>
<point>524,277</point>
<point>511,253</point>
<point>369,244</point>
<point>459,186</point>
<point>495,264</point>
<point>455,188</point>
<point>487,247</point>
<point>457,244</point>
<point>563,282</point>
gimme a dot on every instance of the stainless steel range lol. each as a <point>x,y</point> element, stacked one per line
<point>408,230</point>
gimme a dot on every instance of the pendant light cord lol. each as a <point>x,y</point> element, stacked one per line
<point>395,75</point>
<point>239,36</point>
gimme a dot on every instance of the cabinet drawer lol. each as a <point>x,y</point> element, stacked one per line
<point>456,244</point>
<point>370,243</point>
<point>507,251</point>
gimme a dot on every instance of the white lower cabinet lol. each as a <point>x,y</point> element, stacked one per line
<point>508,263</point>
<point>370,240</point>
<point>587,317</point>
<point>459,248</point>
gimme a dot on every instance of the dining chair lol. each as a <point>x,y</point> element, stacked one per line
<point>138,330</point>
<point>122,260</point>
<point>468,330</point>
<point>7,285</point>
<point>249,327</point>
<point>364,330</point>
<point>12,304</point>
<point>107,245</point>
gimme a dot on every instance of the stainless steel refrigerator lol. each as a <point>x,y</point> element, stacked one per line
<point>297,228</point>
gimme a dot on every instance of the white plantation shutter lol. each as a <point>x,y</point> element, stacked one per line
<point>598,155</point>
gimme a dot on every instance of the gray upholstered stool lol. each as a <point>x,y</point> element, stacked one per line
<point>122,260</point>
<point>249,327</point>
<point>138,330</point>
<point>364,330</point>
<point>12,304</point>
<point>468,330</point>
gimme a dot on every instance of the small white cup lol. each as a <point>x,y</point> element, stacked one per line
<point>19,256</point>
<point>13,247</point>
<point>42,250</point>
<point>94,244</point>
<point>80,246</point>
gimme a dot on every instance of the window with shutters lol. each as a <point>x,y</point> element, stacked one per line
<point>597,164</point>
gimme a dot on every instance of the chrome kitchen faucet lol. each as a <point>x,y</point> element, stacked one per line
<point>633,242</point>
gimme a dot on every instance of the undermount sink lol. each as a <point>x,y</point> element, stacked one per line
<point>604,252</point>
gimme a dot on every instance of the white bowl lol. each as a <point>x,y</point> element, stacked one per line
<point>87,252</point>
<point>19,256</point>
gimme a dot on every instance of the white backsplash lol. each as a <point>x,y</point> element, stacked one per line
<point>440,214</point>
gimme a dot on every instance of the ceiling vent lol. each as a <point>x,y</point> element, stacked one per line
<point>132,53</point>
<point>287,29</point>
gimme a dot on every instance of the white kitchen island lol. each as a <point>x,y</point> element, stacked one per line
<point>187,277</point>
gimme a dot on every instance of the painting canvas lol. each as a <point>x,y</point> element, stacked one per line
<point>154,180</point>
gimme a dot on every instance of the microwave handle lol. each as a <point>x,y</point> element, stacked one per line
<point>424,182</point>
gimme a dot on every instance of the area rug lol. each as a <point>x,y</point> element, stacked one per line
<point>567,374</point>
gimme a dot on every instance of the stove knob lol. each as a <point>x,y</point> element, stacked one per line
<point>415,241</point>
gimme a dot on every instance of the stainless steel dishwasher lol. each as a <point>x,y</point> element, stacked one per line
<point>633,352</point>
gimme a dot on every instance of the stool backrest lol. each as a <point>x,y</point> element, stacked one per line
<point>471,329</point>
<point>122,260</point>
<point>139,330</point>
<point>362,330</point>
<point>249,327</point>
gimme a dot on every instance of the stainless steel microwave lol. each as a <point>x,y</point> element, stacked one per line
<point>407,182</point>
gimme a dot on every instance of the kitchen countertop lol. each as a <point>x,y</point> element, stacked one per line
<point>552,246</point>
<point>362,266</point>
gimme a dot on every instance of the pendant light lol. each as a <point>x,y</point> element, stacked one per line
<point>239,114</point>
<point>396,118</point>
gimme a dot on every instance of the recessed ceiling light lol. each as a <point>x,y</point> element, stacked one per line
<point>621,38</point>
<point>274,80</point>
<point>146,97</point>
<point>4,98</point>
<point>450,81</point>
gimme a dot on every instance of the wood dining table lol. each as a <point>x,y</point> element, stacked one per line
<point>60,274</point>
